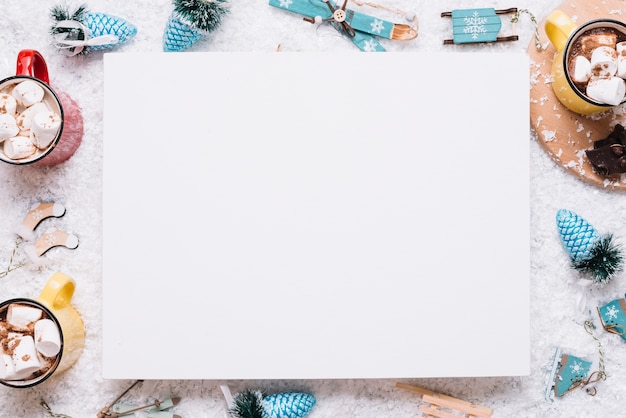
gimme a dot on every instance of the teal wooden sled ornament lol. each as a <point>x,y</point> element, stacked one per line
<point>360,28</point>
<point>477,26</point>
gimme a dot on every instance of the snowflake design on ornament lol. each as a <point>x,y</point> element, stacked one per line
<point>37,215</point>
<point>475,25</point>
<point>370,45</point>
<point>50,239</point>
<point>285,3</point>
<point>612,312</point>
<point>576,367</point>
<point>377,26</point>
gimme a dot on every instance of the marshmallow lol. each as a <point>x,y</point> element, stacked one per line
<point>8,126</point>
<point>603,62</point>
<point>7,369</point>
<point>20,316</point>
<point>620,48</point>
<point>607,90</point>
<point>591,42</point>
<point>25,357</point>
<point>47,338</point>
<point>27,93</point>
<point>8,104</point>
<point>44,128</point>
<point>581,70</point>
<point>18,147</point>
<point>24,119</point>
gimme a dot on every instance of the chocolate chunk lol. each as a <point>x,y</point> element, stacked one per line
<point>608,154</point>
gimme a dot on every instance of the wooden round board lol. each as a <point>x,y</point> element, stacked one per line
<point>565,135</point>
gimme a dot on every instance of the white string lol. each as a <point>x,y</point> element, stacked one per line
<point>78,45</point>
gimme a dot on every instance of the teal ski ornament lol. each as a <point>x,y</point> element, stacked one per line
<point>360,28</point>
<point>477,25</point>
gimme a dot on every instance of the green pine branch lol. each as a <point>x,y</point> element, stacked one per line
<point>205,15</point>
<point>60,13</point>
<point>604,261</point>
<point>247,404</point>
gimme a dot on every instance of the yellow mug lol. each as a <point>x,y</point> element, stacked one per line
<point>563,34</point>
<point>54,303</point>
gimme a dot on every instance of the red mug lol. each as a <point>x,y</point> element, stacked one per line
<point>47,134</point>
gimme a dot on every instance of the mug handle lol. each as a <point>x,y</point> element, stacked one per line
<point>559,27</point>
<point>31,63</point>
<point>58,291</point>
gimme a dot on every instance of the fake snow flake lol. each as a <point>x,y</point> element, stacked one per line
<point>548,136</point>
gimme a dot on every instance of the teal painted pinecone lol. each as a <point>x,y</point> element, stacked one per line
<point>179,35</point>
<point>577,234</point>
<point>288,405</point>
<point>252,404</point>
<point>103,24</point>
<point>79,31</point>
<point>592,254</point>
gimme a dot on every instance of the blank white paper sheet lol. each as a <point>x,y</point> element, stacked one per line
<point>315,215</point>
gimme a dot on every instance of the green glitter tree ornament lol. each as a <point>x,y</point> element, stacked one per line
<point>252,404</point>
<point>191,20</point>
<point>591,254</point>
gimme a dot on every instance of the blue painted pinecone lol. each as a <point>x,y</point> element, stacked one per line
<point>104,24</point>
<point>179,35</point>
<point>577,234</point>
<point>288,405</point>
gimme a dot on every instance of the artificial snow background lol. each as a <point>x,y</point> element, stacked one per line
<point>557,302</point>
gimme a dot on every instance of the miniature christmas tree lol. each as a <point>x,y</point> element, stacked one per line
<point>190,21</point>
<point>590,253</point>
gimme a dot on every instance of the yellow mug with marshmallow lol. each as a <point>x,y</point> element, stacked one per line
<point>566,37</point>
<point>42,337</point>
<point>56,296</point>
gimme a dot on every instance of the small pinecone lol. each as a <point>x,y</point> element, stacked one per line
<point>102,24</point>
<point>179,35</point>
<point>288,405</point>
<point>591,254</point>
<point>577,234</point>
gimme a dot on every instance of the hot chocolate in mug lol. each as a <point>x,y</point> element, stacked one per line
<point>40,338</point>
<point>584,70</point>
<point>35,124</point>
